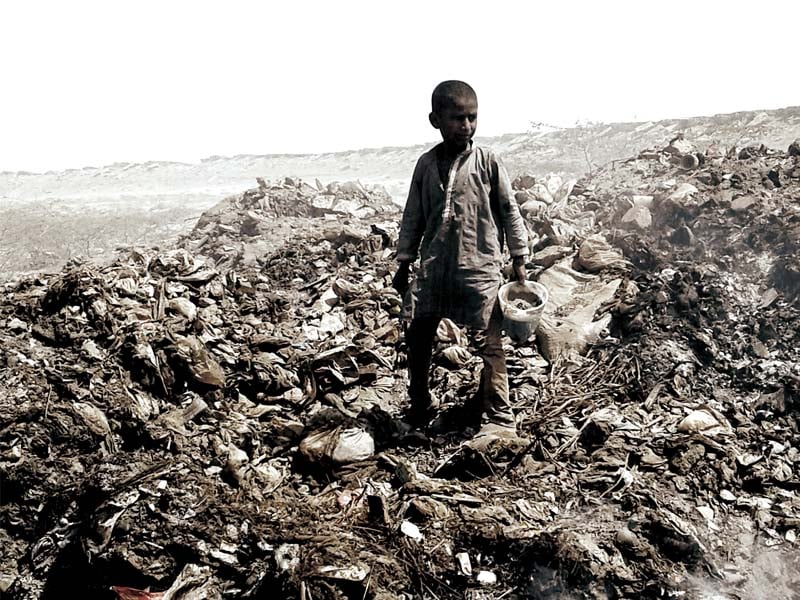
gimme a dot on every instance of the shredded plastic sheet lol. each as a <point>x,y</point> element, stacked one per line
<point>569,324</point>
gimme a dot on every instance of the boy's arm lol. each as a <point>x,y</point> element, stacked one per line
<point>516,233</point>
<point>412,228</point>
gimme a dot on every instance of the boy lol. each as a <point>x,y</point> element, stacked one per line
<point>459,212</point>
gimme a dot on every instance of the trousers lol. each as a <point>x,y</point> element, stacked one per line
<point>491,402</point>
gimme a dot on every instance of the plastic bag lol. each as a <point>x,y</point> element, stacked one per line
<point>596,254</point>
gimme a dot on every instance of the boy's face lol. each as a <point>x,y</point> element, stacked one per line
<point>457,122</point>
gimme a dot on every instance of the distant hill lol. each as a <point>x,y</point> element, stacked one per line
<point>570,150</point>
<point>49,218</point>
<point>539,151</point>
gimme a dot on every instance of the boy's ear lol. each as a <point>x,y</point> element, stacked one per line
<point>434,119</point>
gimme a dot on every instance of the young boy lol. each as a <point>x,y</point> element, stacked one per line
<point>459,213</point>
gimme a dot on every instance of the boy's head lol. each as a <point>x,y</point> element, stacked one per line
<point>454,112</point>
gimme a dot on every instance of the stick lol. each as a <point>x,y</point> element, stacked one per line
<point>47,405</point>
<point>366,587</point>
<point>572,440</point>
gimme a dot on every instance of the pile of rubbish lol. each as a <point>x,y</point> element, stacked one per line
<point>221,420</point>
<point>241,228</point>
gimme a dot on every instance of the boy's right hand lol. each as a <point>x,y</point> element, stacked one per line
<point>400,279</point>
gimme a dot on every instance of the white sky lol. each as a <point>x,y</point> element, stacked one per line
<point>93,82</point>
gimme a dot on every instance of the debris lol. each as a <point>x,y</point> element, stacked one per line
<point>287,557</point>
<point>448,332</point>
<point>235,463</point>
<point>682,192</point>
<point>683,236</point>
<point>193,583</point>
<point>93,417</point>
<point>17,325</point>
<point>568,326</point>
<point>412,531</point>
<point>679,146</point>
<point>183,306</point>
<point>639,216</point>
<point>378,511</point>
<point>425,508</point>
<point>128,593</point>
<point>351,573</point>
<point>743,203</point>
<point>549,256</point>
<point>457,356</point>
<point>341,446</point>
<point>707,512</point>
<point>199,362</point>
<point>91,349</point>
<point>596,254</point>
<point>523,182</point>
<point>240,400</point>
<point>486,578</point>
<point>704,420</point>
<point>464,564</point>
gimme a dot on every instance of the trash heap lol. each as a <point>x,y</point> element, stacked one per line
<point>223,419</point>
<point>241,228</point>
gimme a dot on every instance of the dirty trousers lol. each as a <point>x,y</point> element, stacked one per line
<point>492,398</point>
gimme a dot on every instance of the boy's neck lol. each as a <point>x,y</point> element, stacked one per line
<point>445,156</point>
<point>448,151</point>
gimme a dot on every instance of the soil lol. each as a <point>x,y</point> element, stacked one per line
<point>521,304</point>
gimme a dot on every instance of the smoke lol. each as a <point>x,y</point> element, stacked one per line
<point>546,584</point>
<point>757,573</point>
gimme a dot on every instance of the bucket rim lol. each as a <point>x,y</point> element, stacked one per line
<point>534,287</point>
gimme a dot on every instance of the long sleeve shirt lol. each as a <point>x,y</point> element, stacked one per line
<point>458,231</point>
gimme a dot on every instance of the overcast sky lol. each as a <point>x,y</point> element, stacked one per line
<point>94,82</point>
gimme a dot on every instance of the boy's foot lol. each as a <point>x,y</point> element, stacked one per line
<point>455,418</point>
<point>419,417</point>
<point>421,413</point>
<point>500,417</point>
<point>500,430</point>
<point>497,434</point>
<point>412,436</point>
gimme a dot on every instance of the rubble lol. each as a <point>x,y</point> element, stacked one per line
<point>339,446</point>
<point>241,228</point>
<point>224,418</point>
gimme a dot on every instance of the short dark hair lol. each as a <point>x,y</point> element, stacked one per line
<point>445,92</point>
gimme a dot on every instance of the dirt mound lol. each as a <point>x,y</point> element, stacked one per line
<point>223,419</point>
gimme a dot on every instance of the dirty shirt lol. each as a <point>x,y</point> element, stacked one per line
<point>458,229</point>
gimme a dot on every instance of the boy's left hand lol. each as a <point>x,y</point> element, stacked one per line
<point>518,265</point>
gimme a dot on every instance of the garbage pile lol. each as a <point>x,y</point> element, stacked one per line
<point>243,227</point>
<point>220,421</point>
<point>699,427</point>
